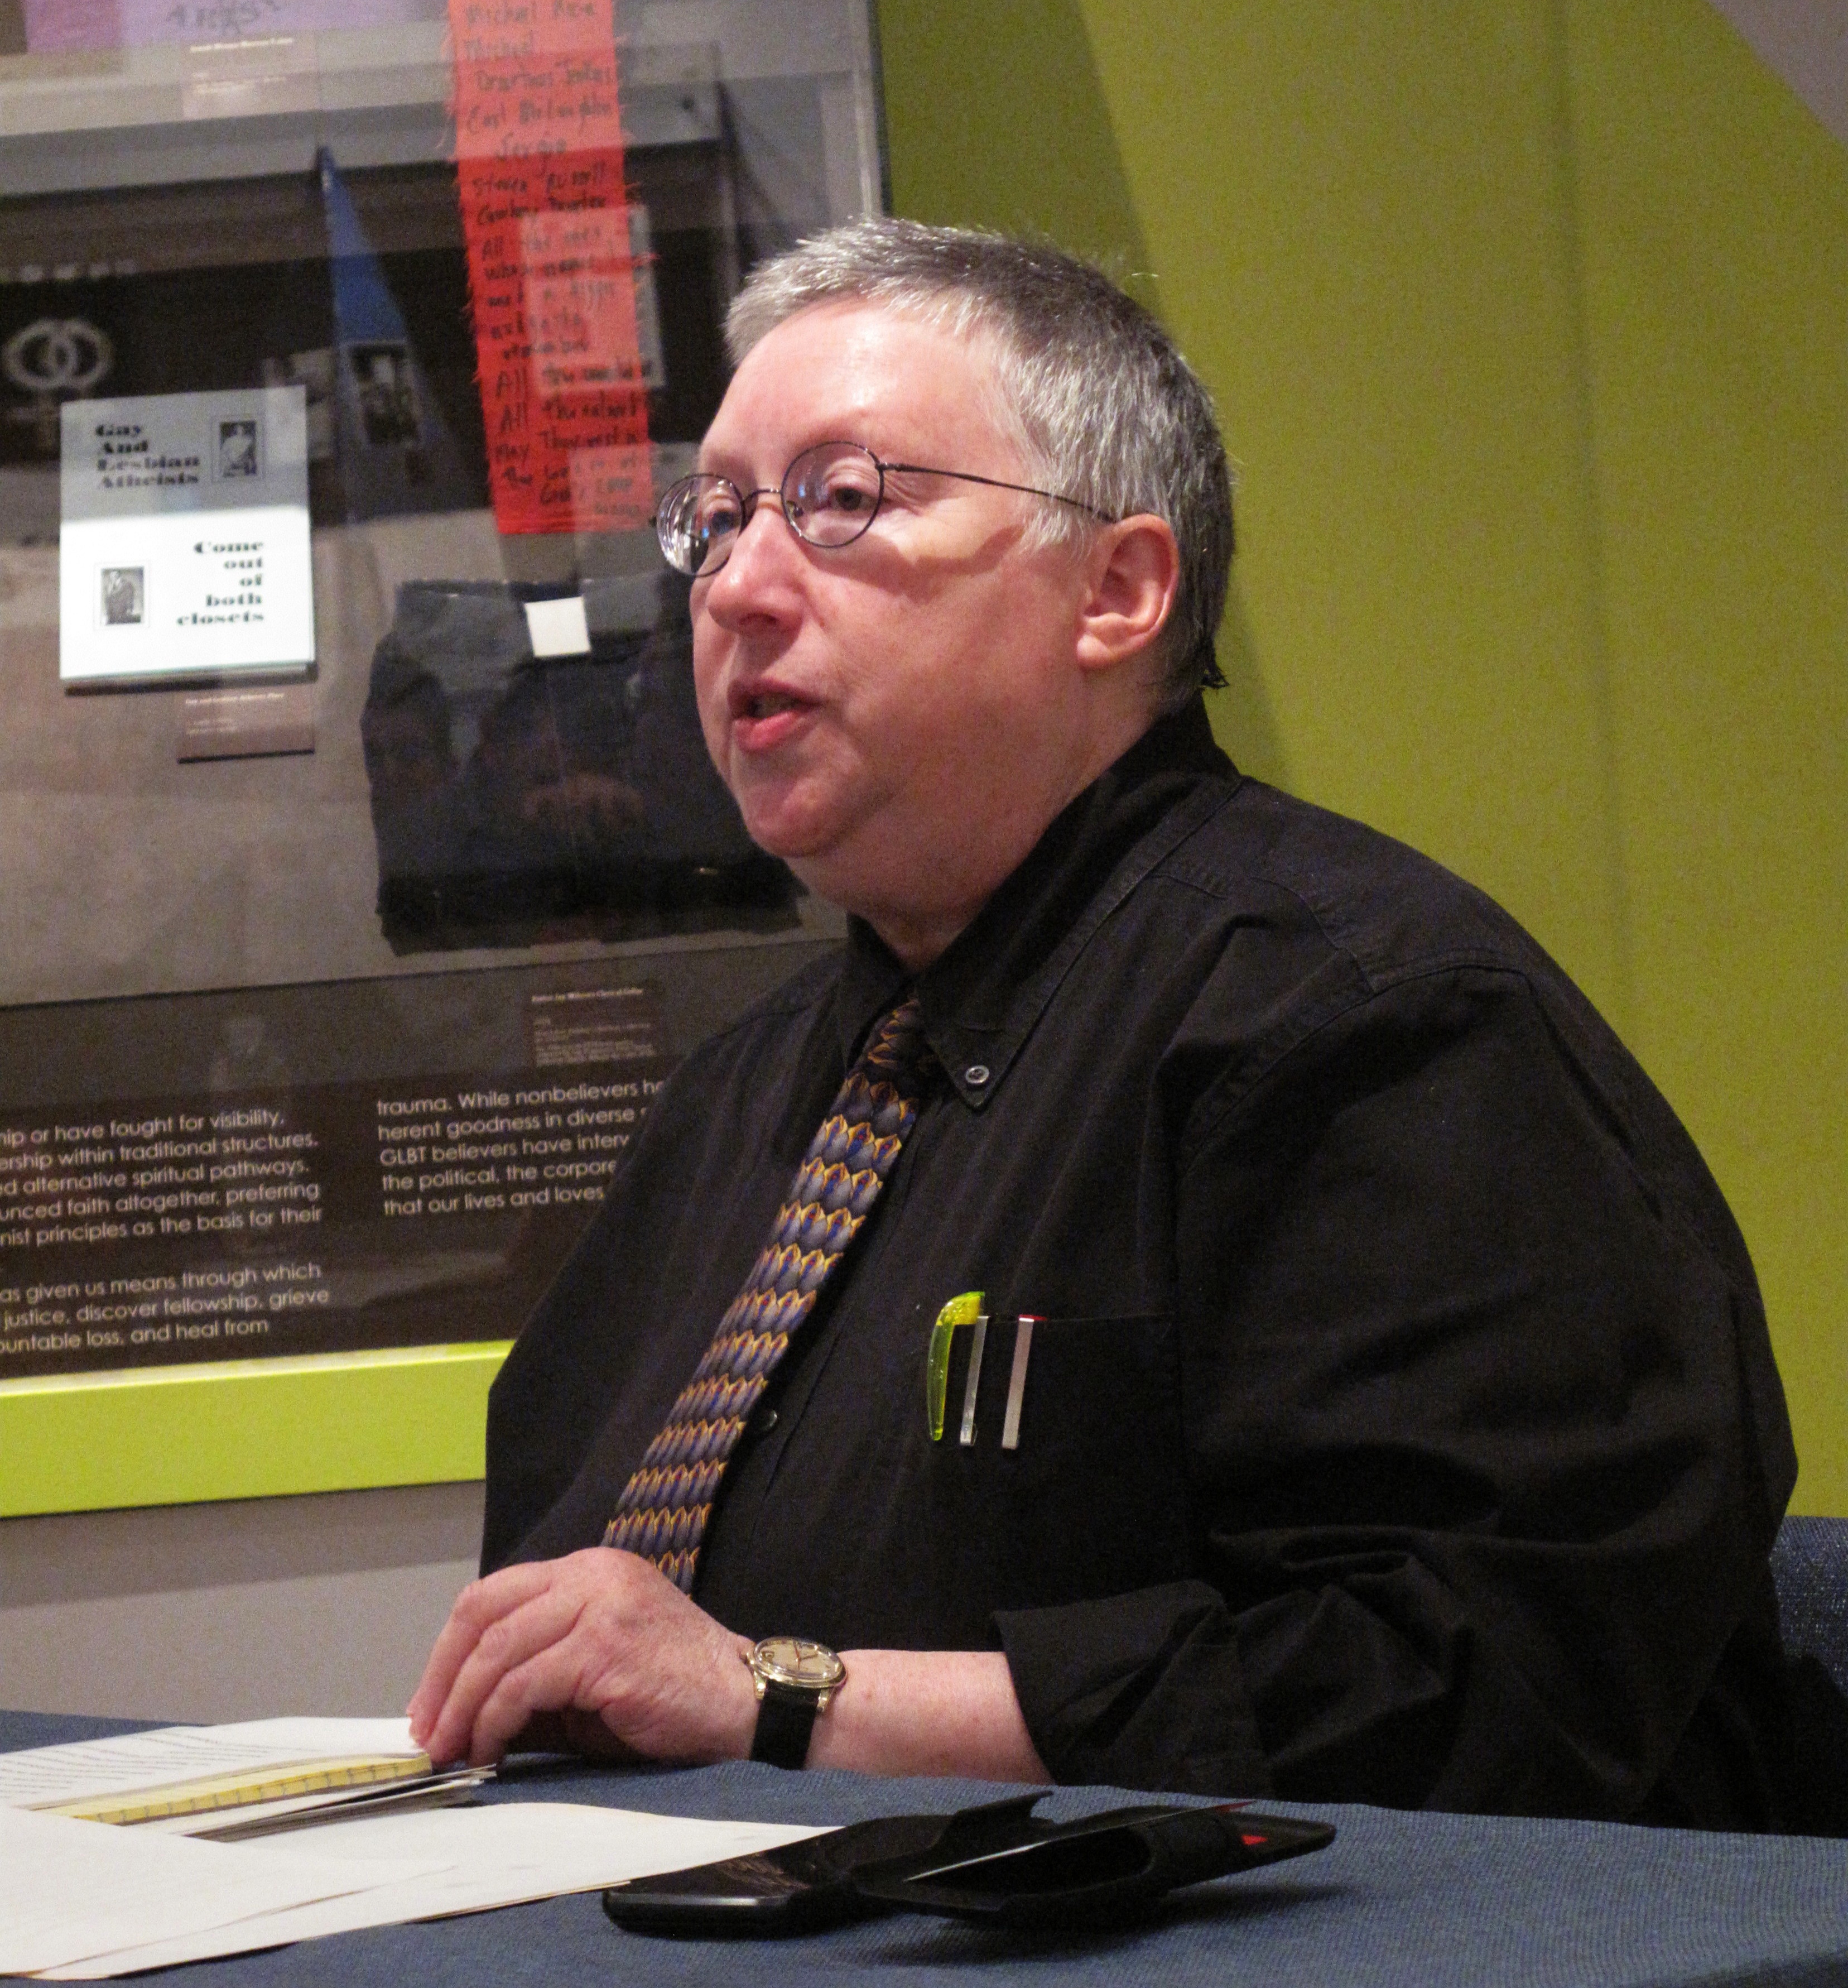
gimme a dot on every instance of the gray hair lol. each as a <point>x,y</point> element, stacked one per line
<point>1103,405</point>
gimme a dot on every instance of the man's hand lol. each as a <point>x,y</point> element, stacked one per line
<point>602,1638</point>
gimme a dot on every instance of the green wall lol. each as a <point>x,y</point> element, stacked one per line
<point>1528,324</point>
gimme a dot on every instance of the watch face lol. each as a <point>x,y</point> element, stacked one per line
<point>792,1660</point>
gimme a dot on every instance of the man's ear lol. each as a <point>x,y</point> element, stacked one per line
<point>1133,571</point>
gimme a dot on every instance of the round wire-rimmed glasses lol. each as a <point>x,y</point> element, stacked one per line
<point>830,495</point>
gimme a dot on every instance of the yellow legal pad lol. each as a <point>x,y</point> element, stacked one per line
<point>242,1790</point>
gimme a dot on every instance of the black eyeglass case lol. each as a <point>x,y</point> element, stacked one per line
<point>997,1864</point>
<point>1100,1870</point>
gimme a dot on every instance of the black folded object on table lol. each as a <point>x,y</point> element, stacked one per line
<point>997,1863</point>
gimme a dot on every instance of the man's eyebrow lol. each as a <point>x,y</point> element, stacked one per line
<point>720,462</point>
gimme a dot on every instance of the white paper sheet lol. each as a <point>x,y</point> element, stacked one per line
<point>183,546</point>
<point>41,1776</point>
<point>318,1738</point>
<point>501,1855</point>
<point>71,1890</point>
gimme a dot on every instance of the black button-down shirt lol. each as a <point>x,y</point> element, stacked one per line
<point>1401,1424</point>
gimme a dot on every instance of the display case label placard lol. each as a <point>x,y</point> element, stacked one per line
<point>184,544</point>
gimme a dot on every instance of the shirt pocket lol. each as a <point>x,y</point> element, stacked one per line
<point>1090,1500</point>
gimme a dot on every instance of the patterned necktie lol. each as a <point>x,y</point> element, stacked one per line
<point>664,1508</point>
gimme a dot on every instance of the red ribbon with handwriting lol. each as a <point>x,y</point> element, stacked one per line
<point>552,263</point>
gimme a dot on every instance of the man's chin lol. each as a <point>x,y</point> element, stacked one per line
<point>832,850</point>
<point>822,871</point>
<point>781,827</point>
<point>814,872</point>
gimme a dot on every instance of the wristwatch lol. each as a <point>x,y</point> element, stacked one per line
<point>796,1680</point>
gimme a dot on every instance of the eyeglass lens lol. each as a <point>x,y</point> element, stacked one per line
<point>829,494</point>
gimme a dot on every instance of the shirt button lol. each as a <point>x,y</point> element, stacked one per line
<point>977,1073</point>
<point>767,1421</point>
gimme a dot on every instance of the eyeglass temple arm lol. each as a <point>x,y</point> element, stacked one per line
<point>995,483</point>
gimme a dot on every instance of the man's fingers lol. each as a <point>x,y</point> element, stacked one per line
<point>457,1636</point>
<point>480,1611</point>
<point>599,1633</point>
<point>506,1646</point>
<point>544,1683</point>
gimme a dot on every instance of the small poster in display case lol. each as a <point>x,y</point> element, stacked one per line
<point>183,540</point>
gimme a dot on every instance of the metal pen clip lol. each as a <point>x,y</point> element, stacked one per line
<point>1017,1381</point>
<point>967,1436</point>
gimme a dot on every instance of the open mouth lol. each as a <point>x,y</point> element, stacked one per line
<point>761,702</point>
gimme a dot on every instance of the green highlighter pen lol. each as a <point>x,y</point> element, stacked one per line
<point>964,1311</point>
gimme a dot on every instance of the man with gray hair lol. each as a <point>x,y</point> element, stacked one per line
<point>1190,1296</point>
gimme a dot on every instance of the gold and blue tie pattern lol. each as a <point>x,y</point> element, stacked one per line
<point>662,1512</point>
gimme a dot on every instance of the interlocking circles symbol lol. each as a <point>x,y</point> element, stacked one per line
<point>57,355</point>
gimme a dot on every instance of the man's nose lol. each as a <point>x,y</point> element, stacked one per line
<point>765,498</point>
<point>758,558</point>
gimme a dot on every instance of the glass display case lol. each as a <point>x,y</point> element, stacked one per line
<point>362,870</point>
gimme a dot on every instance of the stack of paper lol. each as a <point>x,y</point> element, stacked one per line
<point>82,1900</point>
<point>78,1894</point>
<point>194,1778</point>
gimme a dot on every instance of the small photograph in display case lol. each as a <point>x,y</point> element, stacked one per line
<point>124,593</point>
<point>240,455</point>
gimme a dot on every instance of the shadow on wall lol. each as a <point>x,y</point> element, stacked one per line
<point>1243,720</point>
<point>1028,70</point>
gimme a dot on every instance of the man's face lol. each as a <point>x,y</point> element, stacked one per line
<point>894,717</point>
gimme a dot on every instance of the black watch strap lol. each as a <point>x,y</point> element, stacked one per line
<point>785,1721</point>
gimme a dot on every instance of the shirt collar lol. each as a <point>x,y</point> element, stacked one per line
<point>982,998</point>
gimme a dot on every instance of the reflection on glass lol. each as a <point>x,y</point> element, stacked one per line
<point>515,798</point>
<point>238,1010</point>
